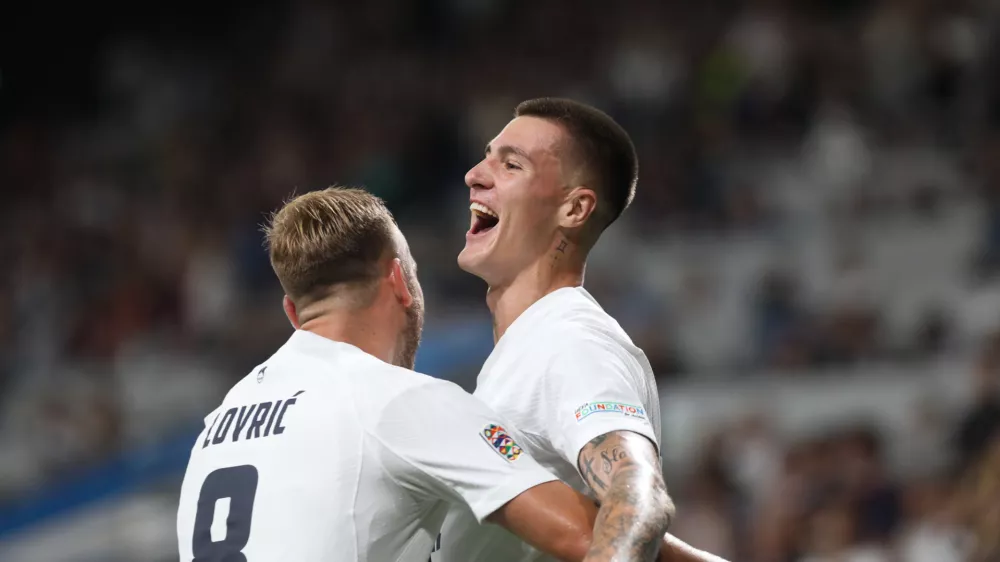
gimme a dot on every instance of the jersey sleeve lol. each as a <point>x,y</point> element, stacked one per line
<point>593,387</point>
<point>453,446</point>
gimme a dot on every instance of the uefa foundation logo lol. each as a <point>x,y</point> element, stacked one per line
<point>622,409</point>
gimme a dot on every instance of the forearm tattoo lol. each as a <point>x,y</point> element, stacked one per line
<point>623,469</point>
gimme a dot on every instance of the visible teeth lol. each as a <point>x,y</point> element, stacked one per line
<point>482,209</point>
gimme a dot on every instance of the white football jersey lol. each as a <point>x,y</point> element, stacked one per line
<point>563,373</point>
<point>325,453</point>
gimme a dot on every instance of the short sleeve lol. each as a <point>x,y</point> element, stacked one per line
<point>593,387</point>
<point>457,448</point>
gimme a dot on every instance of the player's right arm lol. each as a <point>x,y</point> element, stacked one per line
<point>551,517</point>
<point>453,446</point>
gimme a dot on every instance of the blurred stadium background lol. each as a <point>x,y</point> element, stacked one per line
<point>811,263</point>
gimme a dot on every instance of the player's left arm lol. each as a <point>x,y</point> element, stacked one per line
<point>623,470</point>
<point>602,424</point>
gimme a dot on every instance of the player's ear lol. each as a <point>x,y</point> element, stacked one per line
<point>397,278</point>
<point>290,312</point>
<point>579,205</point>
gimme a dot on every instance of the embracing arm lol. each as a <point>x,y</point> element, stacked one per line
<point>558,520</point>
<point>551,517</point>
<point>623,469</point>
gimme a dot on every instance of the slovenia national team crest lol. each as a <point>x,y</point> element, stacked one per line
<point>501,442</point>
<point>627,410</point>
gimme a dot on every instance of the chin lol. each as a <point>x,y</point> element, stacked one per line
<point>473,262</point>
<point>468,259</point>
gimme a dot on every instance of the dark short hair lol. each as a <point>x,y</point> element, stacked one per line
<point>326,239</point>
<point>601,144</point>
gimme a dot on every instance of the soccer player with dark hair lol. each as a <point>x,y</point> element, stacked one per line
<point>581,397</point>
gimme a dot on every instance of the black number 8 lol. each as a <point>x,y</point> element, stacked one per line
<point>239,483</point>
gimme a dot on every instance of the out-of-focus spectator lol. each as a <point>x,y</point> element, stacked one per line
<point>775,528</point>
<point>987,257</point>
<point>831,536</point>
<point>933,533</point>
<point>713,503</point>
<point>837,155</point>
<point>977,505</point>
<point>892,53</point>
<point>210,290</point>
<point>864,481</point>
<point>782,325</point>
<point>924,449</point>
<point>933,333</point>
<point>754,452</point>
<point>711,325</point>
<point>981,423</point>
<point>851,318</point>
<point>706,522</point>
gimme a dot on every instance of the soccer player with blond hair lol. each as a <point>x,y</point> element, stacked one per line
<point>332,449</point>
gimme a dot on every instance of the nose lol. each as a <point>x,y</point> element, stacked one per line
<point>479,177</point>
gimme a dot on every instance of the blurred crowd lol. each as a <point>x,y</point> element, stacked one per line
<point>846,494</point>
<point>819,187</point>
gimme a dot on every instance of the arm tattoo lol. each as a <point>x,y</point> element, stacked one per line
<point>609,459</point>
<point>590,476</point>
<point>635,508</point>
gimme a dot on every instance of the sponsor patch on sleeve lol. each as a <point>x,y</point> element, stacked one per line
<point>617,408</point>
<point>498,438</point>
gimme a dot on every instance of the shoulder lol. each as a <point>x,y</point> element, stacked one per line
<point>569,340</point>
<point>573,318</point>
<point>587,335</point>
<point>390,382</point>
<point>586,346</point>
<point>389,388</point>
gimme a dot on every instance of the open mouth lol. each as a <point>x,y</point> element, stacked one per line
<point>483,218</point>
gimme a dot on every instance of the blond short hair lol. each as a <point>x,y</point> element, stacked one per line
<point>325,240</point>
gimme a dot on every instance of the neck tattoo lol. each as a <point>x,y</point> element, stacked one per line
<point>560,249</point>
